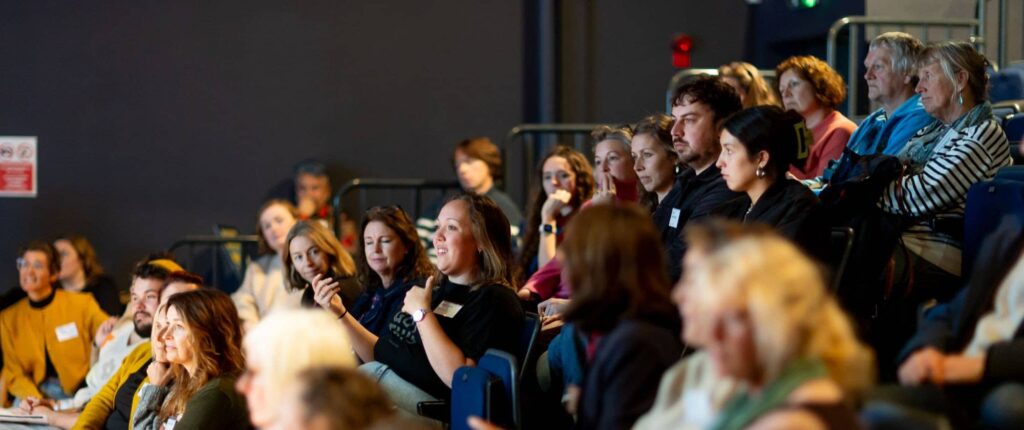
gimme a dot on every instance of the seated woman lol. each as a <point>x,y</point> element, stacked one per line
<point>478,166</point>
<point>621,305</point>
<point>966,145</point>
<point>314,252</point>
<point>48,336</point>
<point>758,146</point>
<point>774,327</point>
<point>616,181</point>
<point>263,288</point>
<point>80,271</point>
<point>811,88</point>
<point>336,398</point>
<point>393,261</point>
<point>564,182</point>
<point>473,308</point>
<point>749,84</point>
<point>276,352</point>
<point>203,344</point>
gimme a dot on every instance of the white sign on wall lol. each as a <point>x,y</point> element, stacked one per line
<point>19,167</point>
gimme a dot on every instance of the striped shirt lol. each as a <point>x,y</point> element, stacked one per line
<point>938,188</point>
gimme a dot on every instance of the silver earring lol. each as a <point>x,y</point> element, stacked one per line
<point>960,97</point>
<point>759,172</point>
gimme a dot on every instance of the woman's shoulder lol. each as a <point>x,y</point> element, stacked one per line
<point>219,389</point>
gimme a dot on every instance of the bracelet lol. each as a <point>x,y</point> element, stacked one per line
<point>343,314</point>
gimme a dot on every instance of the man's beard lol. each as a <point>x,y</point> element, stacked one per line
<point>143,329</point>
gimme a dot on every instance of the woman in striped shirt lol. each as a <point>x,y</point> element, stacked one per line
<point>943,160</point>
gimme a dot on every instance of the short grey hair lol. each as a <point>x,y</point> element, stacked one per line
<point>954,56</point>
<point>904,49</point>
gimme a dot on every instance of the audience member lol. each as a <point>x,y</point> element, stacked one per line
<point>80,271</point>
<point>759,145</point>
<point>314,252</point>
<point>690,393</point>
<point>48,336</point>
<point>811,88</point>
<point>943,160</point>
<point>278,349</point>
<point>621,307</point>
<point>393,261</point>
<point>616,181</point>
<point>748,83</point>
<point>477,163</point>
<point>775,328</point>
<point>113,407</point>
<point>149,278</point>
<point>263,289</point>
<point>891,76</point>
<point>202,342</point>
<point>473,308</point>
<point>334,398</point>
<point>654,159</point>
<point>699,107</point>
<point>564,182</point>
<point>964,362</point>
<point>313,200</point>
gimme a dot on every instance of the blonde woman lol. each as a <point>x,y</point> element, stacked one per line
<point>313,253</point>
<point>748,83</point>
<point>279,348</point>
<point>775,328</point>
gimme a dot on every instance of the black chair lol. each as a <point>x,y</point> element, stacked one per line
<point>840,245</point>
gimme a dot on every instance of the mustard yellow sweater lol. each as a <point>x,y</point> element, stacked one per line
<point>96,412</point>
<point>65,327</point>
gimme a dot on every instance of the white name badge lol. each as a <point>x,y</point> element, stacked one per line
<point>447,309</point>
<point>67,332</point>
<point>673,221</point>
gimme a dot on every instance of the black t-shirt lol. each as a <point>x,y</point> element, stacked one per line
<point>375,309</point>
<point>490,317</point>
<point>118,419</point>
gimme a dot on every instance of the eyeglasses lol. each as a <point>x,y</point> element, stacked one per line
<point>24,264</point>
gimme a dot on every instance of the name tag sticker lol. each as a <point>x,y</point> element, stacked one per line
<point>67,332</point>
<point>447,309</point>
<point>674,220</point>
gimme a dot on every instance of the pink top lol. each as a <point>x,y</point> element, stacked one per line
<point>830,137</point>
<point>547,281</point>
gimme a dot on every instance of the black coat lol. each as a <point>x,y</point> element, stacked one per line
<point>791,209</point>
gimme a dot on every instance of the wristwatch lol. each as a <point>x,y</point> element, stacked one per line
<point>418,315</point>
<point>549,228</point>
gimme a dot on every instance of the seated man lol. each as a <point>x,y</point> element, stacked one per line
<point>891,78</point>
<point>965,361</point>
<point>47,337</point>
<point>148,280</point>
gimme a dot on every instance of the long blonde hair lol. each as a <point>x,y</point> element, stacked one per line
<point>792,314</point>
<point>758,91</point>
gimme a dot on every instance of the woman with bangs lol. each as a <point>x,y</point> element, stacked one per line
<point>202,342</point>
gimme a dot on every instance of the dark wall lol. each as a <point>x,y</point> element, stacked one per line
<point>160,119</point>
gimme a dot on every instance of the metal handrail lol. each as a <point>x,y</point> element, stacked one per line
<point>529,155</point>
<point>193,240</point>
<point>678,78</point>
<point>414,184</point>
<point>853,60</point>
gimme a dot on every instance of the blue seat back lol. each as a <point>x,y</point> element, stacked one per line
<point>1011,173</point>
<point>988,202</point>
<point>504,408</point>
<point>473,392</point>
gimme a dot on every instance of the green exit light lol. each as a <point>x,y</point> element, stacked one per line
<point>808,3</point>
<point>804,4</point>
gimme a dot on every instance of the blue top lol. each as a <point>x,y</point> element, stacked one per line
<point>878,134</point>
<point>374,309</point>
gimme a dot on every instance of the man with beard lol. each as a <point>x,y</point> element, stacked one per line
<point>148,280</point>
<point>699,107</point>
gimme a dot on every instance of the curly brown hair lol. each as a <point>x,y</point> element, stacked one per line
<point>414,264</point>
<point>585,186</point>
<point>215,335</point>
<point>829,87</point>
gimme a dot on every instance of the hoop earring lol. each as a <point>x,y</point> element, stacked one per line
<point>759,172</point>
